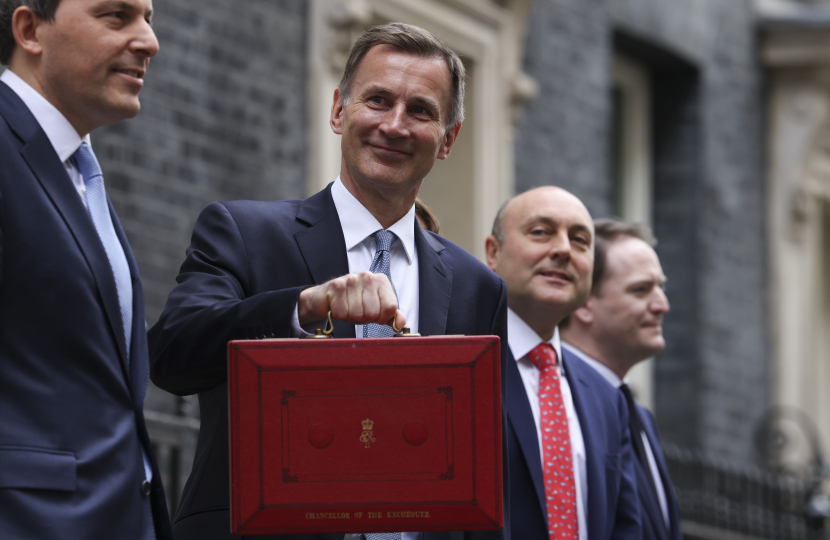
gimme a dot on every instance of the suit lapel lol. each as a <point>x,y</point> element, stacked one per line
<point>521,418</point>
<point>39,154</point>
<point>323,245</point>
<point>594,460</point>
<point>435,284</point>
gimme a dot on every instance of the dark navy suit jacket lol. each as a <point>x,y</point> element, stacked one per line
<point>654,526</point>
<point>612,511</point>
<point>71,421</point>
<point>245,268</point>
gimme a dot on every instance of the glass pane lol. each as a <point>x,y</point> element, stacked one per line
<point>618,168</point>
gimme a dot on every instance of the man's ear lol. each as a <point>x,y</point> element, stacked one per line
<point>25,24</point>
<point>585,313</point>
<point>449,139</point>
<point>336,119</point>
<point>491,248</point>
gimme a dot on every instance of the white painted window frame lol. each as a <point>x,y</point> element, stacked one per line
<point>636,199</point>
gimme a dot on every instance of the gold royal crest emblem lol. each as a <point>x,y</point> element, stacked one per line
<point>367,437</point>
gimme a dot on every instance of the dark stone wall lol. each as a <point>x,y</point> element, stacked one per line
<point>223,117</point>
<point>712,380</point>
<point>562,136</point>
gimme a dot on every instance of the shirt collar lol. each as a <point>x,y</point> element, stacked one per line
<point>603,370</point>
<point>65,140</point>
<point>522,338</point>
<point>358,223</point>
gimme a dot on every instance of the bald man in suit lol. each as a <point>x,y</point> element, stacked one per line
<point>569,454</point>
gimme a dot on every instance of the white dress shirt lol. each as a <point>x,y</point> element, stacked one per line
<point>358,225</point>
<point>616,382</point>
<point>65,140</point>
<point>523,339</point>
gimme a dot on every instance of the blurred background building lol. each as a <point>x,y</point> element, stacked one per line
<point>707,119</point>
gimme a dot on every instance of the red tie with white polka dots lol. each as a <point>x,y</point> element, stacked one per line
<point>557,464</point>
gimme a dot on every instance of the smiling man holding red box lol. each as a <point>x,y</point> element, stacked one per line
<point>275,269</point>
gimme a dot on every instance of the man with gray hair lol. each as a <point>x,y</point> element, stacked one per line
<point>276,269</point>
<point>619,326</point>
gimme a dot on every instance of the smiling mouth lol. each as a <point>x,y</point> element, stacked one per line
<point>135,73</point>
<point>556,274</point>
<point>383,148</point>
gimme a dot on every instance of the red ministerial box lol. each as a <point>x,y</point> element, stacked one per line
<point>365,435</point>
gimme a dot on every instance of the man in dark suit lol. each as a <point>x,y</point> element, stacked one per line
<point>75,458</point>
<point>274,269</point>
<point>619,326</point>
<point>570,458</point>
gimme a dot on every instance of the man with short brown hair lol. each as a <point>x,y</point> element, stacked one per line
<point>619,326</point>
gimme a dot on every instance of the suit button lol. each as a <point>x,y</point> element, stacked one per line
<point>145,488</point>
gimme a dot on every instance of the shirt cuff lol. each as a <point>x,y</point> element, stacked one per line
<point>299,331</point>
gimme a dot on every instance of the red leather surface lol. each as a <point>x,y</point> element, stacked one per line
<point>365,435</point>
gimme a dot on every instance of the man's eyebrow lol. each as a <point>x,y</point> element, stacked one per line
<point>122,5</point>
<point>533,220</point>
<point>428,102</point>
<point>581,227</point>
<point>118,5</point>
<point>374,89</point>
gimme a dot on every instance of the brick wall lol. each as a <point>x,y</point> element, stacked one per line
<point>562,137</point>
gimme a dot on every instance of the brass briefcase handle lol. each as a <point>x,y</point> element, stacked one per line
<point>323,333</point>
<point>402,332</point>
<point>326,333</point>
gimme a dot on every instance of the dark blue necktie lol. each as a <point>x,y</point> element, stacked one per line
<point>635,426</point>
<point>96,200</point>
<point>381,265</point>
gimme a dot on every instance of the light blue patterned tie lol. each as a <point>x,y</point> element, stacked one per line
<point>381,265</point>
<point>96,200</point>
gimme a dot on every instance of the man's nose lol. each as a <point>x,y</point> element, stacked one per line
<point>660,302</point>
<point>560,245</point>
<point>145,42</point>
<point>394,123</point>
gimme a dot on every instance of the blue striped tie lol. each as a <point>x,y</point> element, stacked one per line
<point>381,265</point>
<point>96,200</point>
